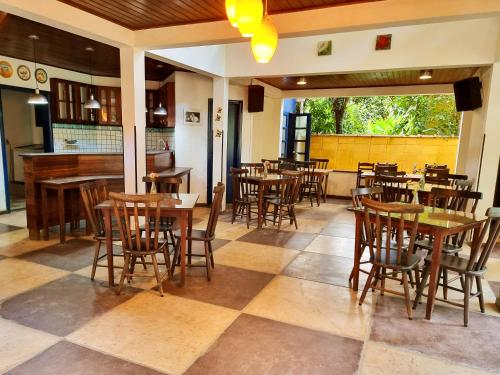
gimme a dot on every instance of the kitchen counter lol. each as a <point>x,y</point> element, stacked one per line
<point>31,154</point>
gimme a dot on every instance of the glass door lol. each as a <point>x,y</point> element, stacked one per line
<point>299,136</point>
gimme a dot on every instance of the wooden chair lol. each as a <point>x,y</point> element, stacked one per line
<point>243,197</point>
<point>138,241</point>
<point>395,189</point>
<point>287,166</point>
<point>274,165</point>
<point>205,236</point>
<point>287,194</point>
<point>362,168</point>
<point>321,163</point>
<point>467,185</point>
<point>437,175</point>
<point>311,183</point>
<point>389,218</point>
<point>357,194</point>
<point>92,194</point>
<point>470,269</point>
<point>254,169</point>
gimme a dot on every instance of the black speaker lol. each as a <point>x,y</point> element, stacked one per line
<point>468,94</point>
<point>255,98</point>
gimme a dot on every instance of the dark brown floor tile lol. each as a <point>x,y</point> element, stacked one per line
<point>2,257</point>
<point>73,255</point>
<point>4,228</point>
<point>286,239</point>
<point>229,286</point>
<point>312,214</point>
<point>67,358</point>
<point>339,230</point>
<point>444,335</point>
<point>322,268</point>
<point>62,306</point>
<point>253,345</point>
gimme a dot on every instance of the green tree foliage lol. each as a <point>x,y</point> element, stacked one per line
<point>388,115</point>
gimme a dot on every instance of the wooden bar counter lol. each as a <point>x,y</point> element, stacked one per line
<point>45,166</point>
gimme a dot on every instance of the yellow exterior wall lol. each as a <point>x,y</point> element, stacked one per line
<point>346,151</point>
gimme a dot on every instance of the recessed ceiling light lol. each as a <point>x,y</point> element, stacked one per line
<point>302,81</point>
<point>425,74</point>
<point>159,66</point>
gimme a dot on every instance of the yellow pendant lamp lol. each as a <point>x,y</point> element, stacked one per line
<point>248,16</point>
<point>264,41</point>
<point>231,12</point>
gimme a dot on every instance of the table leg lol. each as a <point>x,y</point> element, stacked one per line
<point>437,248</point>
<point>45,214</point>
<point>260,198</point>
<point>62,219</point>
<point>184,222</point>
<point>189,230</point>
<point>189,182</point>
<point>357,251</point>
<point>325,190</point>
<point>109,247</point>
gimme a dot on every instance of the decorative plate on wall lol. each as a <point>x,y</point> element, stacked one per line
<point>41,75</point>
<point>24,72</point>
<point>5,69</point>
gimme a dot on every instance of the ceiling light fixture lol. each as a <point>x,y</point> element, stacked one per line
<point>160,110</point>
<point>231,12</point>
<point>248,16</point>
<point>91,103</point>
<point>36,98</point>
<point>425,74</point>
<point>264,40</point>
<point>302,81</point>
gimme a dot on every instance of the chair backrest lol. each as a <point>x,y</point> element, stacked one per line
<point>364,167</point>
<point>437,175</point>
<point>436,166</point>
<point>128,207</point>
<point>163,184</point>
<point>290,188</point>
<point>321,163</point>
<point>92,194</point>
<point>385,168</point>
<point>288,166</point>
<point>395,189</point>
<point>463,184</point>
<point>254,169</point>
<point>213,218</point>
<point>374,193</point>
<point>274,165</point>
<point>240,184</point>
<point>480,252</point>
<point>384,219</point>
<point>308,168</point>
<point>457,200</point>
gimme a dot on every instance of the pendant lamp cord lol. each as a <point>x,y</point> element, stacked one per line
<point>34,58</point>
<point>265,8</point>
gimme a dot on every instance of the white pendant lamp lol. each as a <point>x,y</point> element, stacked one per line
<point>265,40</point>
<point>425,74</point>
<point>248,16</point>
<point>160,110</point>
<point>91,103</point>
<point>36,98</point>
<point>231,12</point>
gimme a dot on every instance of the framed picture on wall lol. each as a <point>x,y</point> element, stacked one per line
<point>192,116</point>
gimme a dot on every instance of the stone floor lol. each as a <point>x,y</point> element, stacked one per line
<point>278,303</point>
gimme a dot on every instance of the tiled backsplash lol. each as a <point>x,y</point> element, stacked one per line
<point>99,138</point>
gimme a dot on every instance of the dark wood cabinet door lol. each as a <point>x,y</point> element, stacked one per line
<point>170,104</point>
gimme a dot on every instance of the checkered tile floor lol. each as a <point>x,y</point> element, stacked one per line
<point>278,303</point>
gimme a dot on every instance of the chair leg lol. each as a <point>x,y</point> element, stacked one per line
<point>157,273</point>
<point>211,254</point>
<point>176,255</point>
<point>368,283</point>
<point>280,216</point>
<point>166,255</point>
<point>96,257</point>
<point>124,273</point>
<point>233,216</point>
<point>407,295</point>
<point>294,218</point>
<point>382,281</point>
<point>466,300</point>
<point>318,196</point>
<point>445,283</point>
<point>207,259</point>
<point>143,261</point>
<point>423,281</point>
<point>248,217</point>
<point>480,291</point>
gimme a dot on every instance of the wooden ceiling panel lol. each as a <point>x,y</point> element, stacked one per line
<point>145,14</point>
<point>371,79</point>
<point>65,50</point>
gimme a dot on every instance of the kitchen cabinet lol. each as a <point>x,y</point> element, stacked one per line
<point>111,109</point>
<point>166,96</point>
<point>68,99</point>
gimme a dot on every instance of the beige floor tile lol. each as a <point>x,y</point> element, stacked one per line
<point>339,246</point>
<point>19,343</point>
<point>228,231</point>
<point>305,225</point>
<point>493,272</point>
<point>17,218</point>
<point>167,334</point>
<point>313,305</point>
<point>17,242</point>
<point>383,359</point>
<point>17,276</point>
<point>255,257</point>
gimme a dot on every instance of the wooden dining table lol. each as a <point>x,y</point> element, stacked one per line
<point>323,175</point>
<point>183,212</point>
<point>436,222</point>
<point>262,183</point>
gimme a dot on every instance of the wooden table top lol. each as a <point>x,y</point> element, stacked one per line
<point>269,177</point>
<point>439,217</point>
<point>78,179</point>
<point>409,176</point>
<point>174,172</point>
<point>187,202</point>
<point>323,171</point>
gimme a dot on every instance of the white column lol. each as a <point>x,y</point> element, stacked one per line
<point>133,90</point>
<point>220,113</point>
<point>491,149</point>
